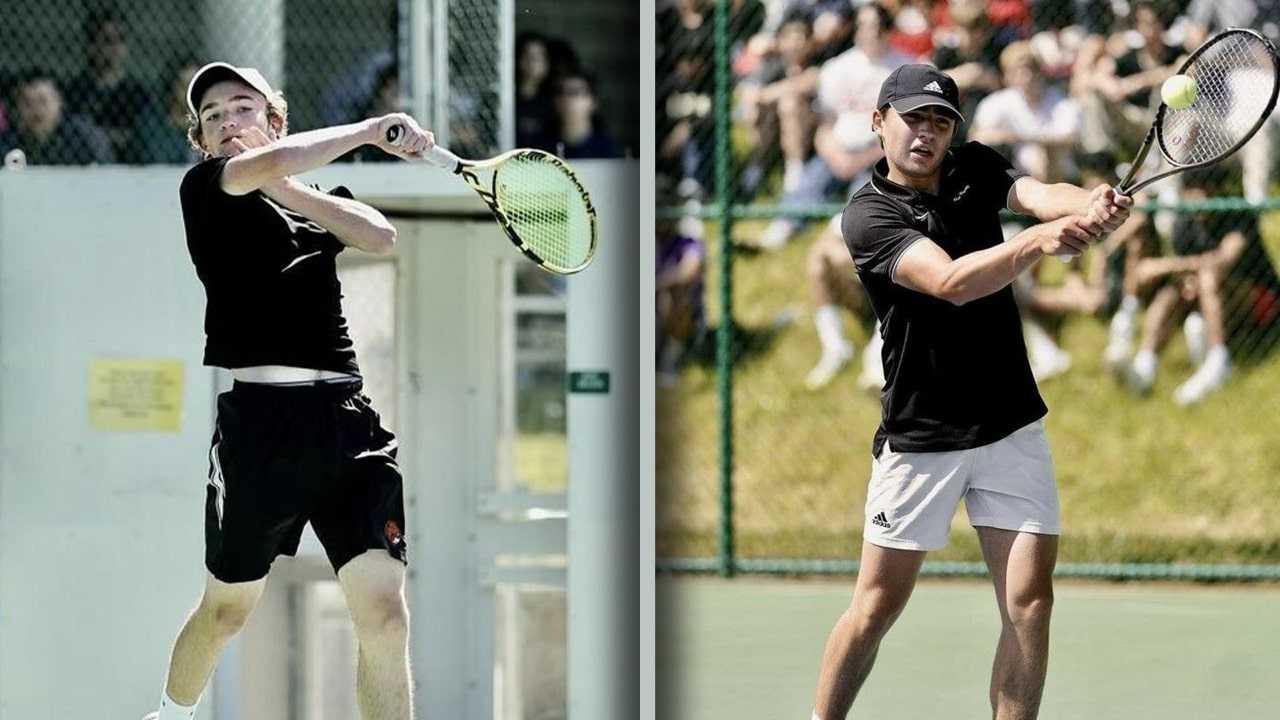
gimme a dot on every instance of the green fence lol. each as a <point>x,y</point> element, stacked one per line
<point>759,472</point>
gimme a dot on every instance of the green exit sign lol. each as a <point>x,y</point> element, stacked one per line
<point>589,381</point>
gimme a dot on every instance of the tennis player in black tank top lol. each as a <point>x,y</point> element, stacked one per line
<point>296,440</point>
<point>961,416</point>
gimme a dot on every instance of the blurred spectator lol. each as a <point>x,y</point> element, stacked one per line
<point>970,53</point>
<point>104,91</point>
<point>774,105</point>
<point>686,42</point>
<point>1205,17</point>
<point>581,133</point>
<point>385,100</point>
<point>1036,124</point>
<point>845,147</point>
<point>534,110</point>
<point>913,24</point>
<point>160,135</point>
<point>44,133</point>
<point>1093,284</point>
<point>679,302</point>
<point>357,82</point>
<point>1221,268</point>
<point>1117,97</point>
<point>833,284</point>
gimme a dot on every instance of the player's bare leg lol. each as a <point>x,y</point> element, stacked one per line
<point>374,587</point>
<point>1021,566</point>
<point>222,612</point>
<point>886,578</point>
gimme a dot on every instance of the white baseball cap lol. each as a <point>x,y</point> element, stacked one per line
<point>216,72</point>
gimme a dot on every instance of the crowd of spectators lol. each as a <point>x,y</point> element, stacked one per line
<point>1065,89</point>
<point>104,113</point>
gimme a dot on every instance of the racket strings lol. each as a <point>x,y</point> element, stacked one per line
<point>1235,78</point>
<point>546,209</point>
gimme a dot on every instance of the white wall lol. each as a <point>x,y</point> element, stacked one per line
<point>101,534</point>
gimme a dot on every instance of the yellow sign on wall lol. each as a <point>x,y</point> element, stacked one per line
<point>135,395</point>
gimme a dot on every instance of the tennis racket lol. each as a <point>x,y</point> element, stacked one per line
<point>1237,76</point>
<point>535,197</point>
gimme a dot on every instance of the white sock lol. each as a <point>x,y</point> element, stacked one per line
<point>171,710</point>
<point>1145,362</point>
<point>1217,356</point>
<point>1129,304</point>
<point>830,332</point>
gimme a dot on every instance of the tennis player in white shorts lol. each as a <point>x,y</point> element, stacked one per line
<point>961,416</point>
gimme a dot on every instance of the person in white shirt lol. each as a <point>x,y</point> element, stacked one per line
<point>1038,123</point>
<point>844,146</point>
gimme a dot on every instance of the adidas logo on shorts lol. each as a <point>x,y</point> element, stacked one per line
<point>880,520</point>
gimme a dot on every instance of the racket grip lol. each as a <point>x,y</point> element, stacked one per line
<point>436,155</point>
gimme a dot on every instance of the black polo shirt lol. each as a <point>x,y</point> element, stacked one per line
<point>957,377</point>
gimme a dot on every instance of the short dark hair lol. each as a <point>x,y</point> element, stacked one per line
<point>101,15</point>
<point>578,73</point>
<point>27,77</point>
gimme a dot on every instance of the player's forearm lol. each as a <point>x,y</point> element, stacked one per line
<point>1048,202</point>
<point>982,273</point>
<point>352,222</point>
<point>294,154</point>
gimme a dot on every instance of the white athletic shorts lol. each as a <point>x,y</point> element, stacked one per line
<point>1008,484</point>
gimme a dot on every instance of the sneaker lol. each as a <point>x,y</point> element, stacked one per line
<point>151,715</point>
<point>1139,375</point>
<point>1050,364</point>
<point>872,375</point>
<point>1208,378</point>
<point>1193,333</point>
<point>1119,340</point>
<point>776,235</point>
<point>829,365</point>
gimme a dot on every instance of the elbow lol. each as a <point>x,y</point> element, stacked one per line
<point>383,241</point>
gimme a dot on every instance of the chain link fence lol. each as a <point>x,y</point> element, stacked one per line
<point>85,82</point>
<point>768,361</point>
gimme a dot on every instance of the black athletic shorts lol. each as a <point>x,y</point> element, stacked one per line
<point>285,455</point>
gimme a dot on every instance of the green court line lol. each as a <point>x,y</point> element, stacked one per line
<point>748,649</point>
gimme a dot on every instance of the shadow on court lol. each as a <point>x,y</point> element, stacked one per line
<point>748,649</point>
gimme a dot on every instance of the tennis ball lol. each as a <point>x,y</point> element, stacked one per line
<point>1178,92</point>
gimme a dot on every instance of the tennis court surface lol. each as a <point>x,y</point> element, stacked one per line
<point>749,648</point>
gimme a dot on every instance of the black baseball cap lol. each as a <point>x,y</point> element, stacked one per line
<point>911,87</point>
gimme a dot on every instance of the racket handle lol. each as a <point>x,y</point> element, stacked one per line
<point>436,155</point>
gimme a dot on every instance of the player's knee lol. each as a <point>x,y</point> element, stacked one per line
<point>1031,608</point>
<point>227,617</point>
<point>382,615</point>
<point>876,608</point>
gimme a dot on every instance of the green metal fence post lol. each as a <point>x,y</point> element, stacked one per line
<point>724,334</point>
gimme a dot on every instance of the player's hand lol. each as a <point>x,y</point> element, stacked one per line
<point>1069,236</point>
<point>252,137</point>
<point>413,141</point>
<point>1108,208</point>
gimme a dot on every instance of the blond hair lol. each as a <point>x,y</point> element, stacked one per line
<point>277,109</point>
<point>1018,54</point>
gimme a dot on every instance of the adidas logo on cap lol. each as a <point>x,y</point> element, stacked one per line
<point>933,86</point>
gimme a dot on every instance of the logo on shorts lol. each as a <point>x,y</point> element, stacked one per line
<point>392,531</point>
<point>880,520</point>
